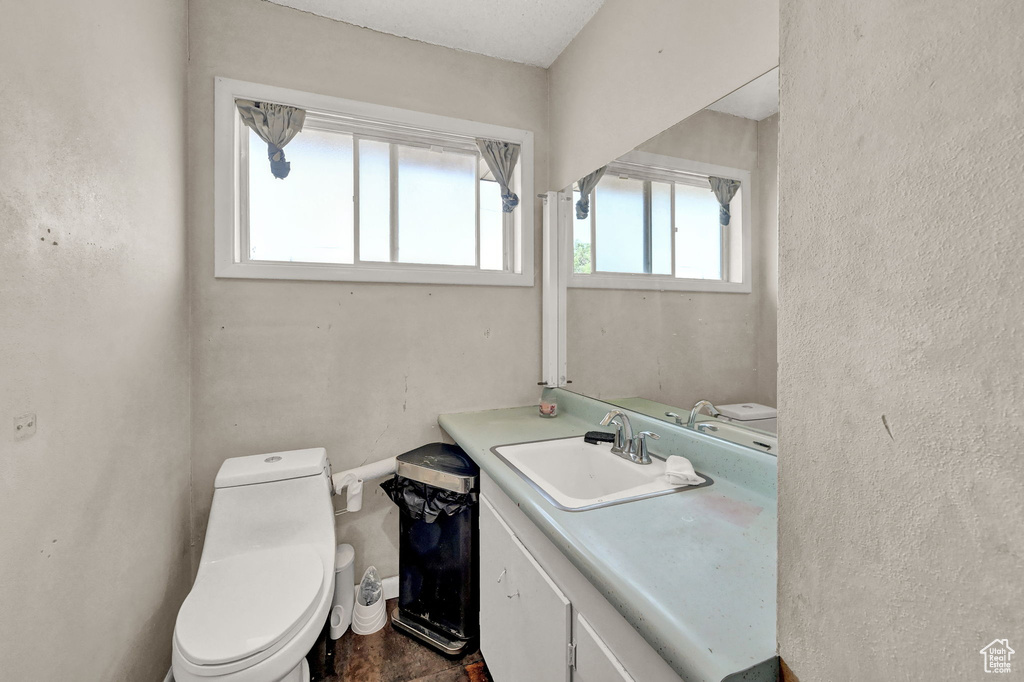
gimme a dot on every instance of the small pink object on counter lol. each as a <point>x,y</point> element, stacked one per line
<point>548,409</point>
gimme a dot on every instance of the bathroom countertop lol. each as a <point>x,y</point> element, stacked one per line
<point>693,572</point>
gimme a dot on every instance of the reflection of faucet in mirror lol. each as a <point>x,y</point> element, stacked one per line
<point>701,404</point>
<point>679,420</point>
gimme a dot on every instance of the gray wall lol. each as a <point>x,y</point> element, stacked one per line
<point>679,347</point>
<point>362,369</point>
<point>95,506</point>
<point>901,295</point>
<point>640,66</point>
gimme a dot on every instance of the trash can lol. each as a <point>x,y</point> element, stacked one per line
<point>435,487</point>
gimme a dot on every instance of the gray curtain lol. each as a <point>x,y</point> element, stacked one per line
<point>587,184</point>
<point>276,124</point>
<point>501,158</point>
<point>724,190</point>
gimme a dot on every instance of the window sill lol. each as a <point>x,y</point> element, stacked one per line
<point>367,273</point>
<point>656,283</point>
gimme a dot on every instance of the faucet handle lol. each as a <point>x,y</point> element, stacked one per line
<point>679,420</point>
<point>642,454</point>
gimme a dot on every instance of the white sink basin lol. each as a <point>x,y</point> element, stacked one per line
<point>575,475</point>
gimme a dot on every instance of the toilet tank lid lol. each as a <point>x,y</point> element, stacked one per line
<point>273,466</point>
<point>747,411</point>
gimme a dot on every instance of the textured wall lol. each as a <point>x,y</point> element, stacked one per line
<point>362,369</point>
<point>678,347</point>
<point>93,298</point>
<point>902,143</point>
<point>639,66</point>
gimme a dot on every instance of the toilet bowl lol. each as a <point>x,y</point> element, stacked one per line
<point>266,577</point>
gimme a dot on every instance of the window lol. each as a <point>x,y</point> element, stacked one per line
<point>654,224</point>
<point>374,194</point>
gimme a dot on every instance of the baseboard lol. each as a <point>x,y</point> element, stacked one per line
<point>787,674</point>
<point>391,587</point>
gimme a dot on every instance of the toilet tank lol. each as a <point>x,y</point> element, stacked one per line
<point>272,500</point>
<point>275,466</point>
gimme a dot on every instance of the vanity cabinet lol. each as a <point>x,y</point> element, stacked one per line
<point>525,620</point>
<point>531,625</point>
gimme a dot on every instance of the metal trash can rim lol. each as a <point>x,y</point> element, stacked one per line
<point>440,465</point>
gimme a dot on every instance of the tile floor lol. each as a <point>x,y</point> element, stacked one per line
<point>391,656</point>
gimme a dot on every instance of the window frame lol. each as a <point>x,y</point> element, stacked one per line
<point>230,256</point>
<point>736,246</point>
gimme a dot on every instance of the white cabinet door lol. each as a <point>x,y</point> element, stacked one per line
<point>594,661</point>
<point>525,620</point>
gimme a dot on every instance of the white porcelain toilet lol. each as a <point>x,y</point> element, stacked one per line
<point>266,577</point>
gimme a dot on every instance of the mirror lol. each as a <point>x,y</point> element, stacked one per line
<point>672,283</point>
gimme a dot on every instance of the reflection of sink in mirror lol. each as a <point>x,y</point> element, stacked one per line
<point>738,434</point>
<point>574,475</point>
<point>756,433</point>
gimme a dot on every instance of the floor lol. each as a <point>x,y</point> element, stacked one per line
<point>390,656</point>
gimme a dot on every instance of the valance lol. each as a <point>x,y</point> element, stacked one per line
<point>724,190</point>
<point>277,125</point>
<point>501,159</point>
<point>587,184</point>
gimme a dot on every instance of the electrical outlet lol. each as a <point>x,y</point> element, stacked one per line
<point>24,426</point>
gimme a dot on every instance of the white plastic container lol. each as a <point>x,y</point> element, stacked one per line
<point>369,618</point>
<point>344,596</point>
<point>754,415</point>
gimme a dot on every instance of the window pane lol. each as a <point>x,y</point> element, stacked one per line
<point>619,216</point>
<point>699,236</point>
<point>581,259</point>
<point>374,201</point>
<point>307,216</point>
<point>492,222</point>
<point>436,207</point>
<point>661,228</point>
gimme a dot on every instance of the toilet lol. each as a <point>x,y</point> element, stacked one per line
<point>266,577</point>
<point>754,415</point>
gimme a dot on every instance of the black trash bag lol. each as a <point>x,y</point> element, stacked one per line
<point>425,502</point>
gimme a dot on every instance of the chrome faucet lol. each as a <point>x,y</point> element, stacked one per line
<point>625,445</point>
<point>623,432</point>
<point>701,404</point>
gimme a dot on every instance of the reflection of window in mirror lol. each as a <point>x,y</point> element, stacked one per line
<point>659,223</point>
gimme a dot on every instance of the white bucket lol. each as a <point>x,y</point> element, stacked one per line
<point>369,619</point>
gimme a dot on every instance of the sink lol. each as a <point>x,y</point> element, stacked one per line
<point>575,475</point>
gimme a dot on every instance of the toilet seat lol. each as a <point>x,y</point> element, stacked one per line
<point>244,608</point>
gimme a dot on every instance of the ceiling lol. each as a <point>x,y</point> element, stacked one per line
<point>758,99</point>
<point>527,31</point>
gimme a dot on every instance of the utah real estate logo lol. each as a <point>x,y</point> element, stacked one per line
<point>997,656</point>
